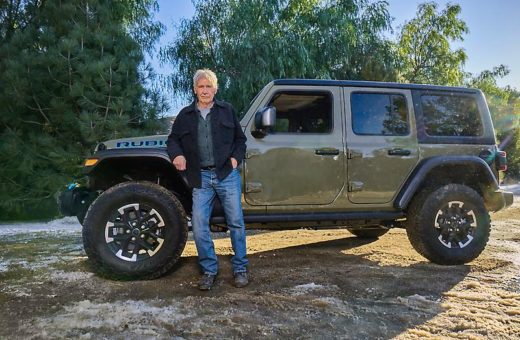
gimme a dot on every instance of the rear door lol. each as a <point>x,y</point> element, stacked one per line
<point>382,146</point>
<point>300,162</point>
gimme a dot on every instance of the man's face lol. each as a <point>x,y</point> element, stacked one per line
<point>205,91</point>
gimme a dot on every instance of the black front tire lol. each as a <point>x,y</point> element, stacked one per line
<point>135,230</point>
<point>448,225</point>
<point>81,216</point>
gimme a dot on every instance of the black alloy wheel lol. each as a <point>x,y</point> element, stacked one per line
<point>135,232</point>
<point>456,225</point>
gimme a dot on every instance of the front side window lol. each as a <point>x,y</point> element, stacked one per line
<point>302,112</point>
<point>379,114</point>
<point>451,115</point>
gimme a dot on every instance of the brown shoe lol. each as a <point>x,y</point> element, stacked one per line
<point>241,279</point>
<point>206,281</point>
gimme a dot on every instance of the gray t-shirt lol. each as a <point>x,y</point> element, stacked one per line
<point>204,112</point>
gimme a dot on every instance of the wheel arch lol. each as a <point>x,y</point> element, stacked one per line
<point>152,165</point>
<point>437,171</point>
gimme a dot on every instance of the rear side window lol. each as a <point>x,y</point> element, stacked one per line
<point>303,111</point>
<point>379,114</point>
<point>451,115</point>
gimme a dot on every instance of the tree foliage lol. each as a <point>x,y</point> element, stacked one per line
<point>425,55</point>
<point>504,104</point>
<point>251,42</point>
<point>72,75</point>
<point>424,49</point>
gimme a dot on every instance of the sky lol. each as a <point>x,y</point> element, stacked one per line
<point>493,38</point>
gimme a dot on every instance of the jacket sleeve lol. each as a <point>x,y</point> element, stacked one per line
<point>173,143</point>
<point>239,150</point>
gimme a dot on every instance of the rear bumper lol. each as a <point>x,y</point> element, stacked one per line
<point>498,200</point>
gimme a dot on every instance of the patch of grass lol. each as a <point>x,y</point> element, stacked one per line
<point>28,245</point>
<point>16,272</point>
<point>72,264</point>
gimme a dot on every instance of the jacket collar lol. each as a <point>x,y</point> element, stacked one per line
<point>193,106</point>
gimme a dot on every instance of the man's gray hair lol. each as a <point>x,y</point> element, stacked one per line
<point>205,73</point>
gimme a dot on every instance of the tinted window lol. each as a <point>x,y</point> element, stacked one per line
<point>303,112</point>
<point>379,114</point>
<point>448,115</point>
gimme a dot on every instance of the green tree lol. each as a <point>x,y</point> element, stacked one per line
<point>424,49</point>
<point>14,14</point>
<point>504,104</point>
<point>72,75</point>
<point>251,42</point>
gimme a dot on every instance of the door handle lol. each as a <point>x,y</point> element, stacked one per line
<point>399,152</point>
<point>327,151</point>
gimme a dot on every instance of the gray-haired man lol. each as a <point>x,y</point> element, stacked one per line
<point>208,143</point>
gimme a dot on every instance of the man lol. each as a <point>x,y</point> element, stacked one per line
<point>207,143</point>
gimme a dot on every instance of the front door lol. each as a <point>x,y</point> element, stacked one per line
<point>301,161</point>
<point>382,146</point>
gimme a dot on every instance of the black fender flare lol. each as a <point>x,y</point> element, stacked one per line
<point>425,167</point>
<point>139,155</point>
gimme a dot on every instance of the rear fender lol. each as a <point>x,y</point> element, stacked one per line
<point>440,170</point>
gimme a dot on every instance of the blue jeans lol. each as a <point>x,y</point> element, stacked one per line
<point>229,193</point>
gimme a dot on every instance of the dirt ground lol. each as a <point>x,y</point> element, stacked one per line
<point>305,284</point>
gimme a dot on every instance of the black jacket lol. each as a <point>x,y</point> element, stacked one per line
<point>228,140</point>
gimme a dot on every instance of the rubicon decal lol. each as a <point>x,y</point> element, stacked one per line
<point>141,143</point>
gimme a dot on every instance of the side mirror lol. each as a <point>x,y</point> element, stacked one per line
<point>265,119</point>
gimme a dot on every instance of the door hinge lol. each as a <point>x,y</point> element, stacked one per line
<point>355,186</point>
<point>253,187</point>
<point>252,153</point>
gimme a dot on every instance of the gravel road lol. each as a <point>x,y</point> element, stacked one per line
<point>305,284</point>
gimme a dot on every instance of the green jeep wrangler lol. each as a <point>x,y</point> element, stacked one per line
<point>367,156</point>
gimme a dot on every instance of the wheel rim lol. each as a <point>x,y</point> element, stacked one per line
<point>135,232</point>
<point>456,225</point>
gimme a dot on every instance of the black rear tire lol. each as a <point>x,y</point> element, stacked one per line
<point>135,230</point>
<point>368,233</point>
<point>449,225</point>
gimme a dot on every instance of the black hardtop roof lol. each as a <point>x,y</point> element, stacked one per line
<point>378,84</point>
